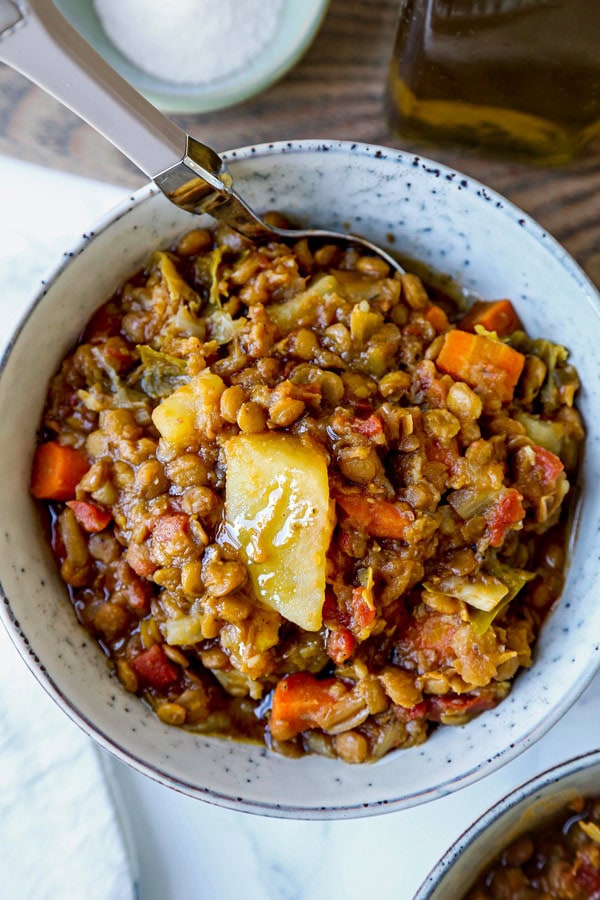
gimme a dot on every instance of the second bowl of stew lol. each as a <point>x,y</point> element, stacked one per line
<point>540,841</point>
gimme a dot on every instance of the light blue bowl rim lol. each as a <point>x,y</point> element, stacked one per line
<point>275,62</point>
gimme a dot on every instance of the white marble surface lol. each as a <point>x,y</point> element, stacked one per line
<point>187,848</point>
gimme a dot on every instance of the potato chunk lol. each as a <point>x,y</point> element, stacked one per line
<point>279,513</point>
<point>191,411</point>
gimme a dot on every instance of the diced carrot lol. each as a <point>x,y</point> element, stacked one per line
<point>378,518</point>
<point>436,316</point>
<point>506,512</point>
<point>494,315</point>
<point>57,471</point>
<point>481,361</point>
<point>91,517</point>
<point>301,702</point>
<point>547,464</point>
<point>340,645</point>
<point>369,427</point>
<point>155,667</point>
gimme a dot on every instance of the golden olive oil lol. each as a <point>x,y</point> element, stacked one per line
<point>512,77</point>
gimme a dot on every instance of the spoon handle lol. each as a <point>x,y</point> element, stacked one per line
<point>44,47</point>
<point>36,40</point>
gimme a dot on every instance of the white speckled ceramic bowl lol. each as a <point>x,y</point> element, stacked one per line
<point>452,224</point>
<point>529,807</point>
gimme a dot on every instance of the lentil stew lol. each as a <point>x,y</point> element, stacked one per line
<point>558,860</point>
<point>299,501</point>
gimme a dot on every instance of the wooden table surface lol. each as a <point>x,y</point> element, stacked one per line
<point>335,91</point>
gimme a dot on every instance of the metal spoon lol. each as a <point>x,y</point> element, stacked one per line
<point>36,40</point>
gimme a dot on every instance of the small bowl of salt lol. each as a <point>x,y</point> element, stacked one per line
<point>198,55</point>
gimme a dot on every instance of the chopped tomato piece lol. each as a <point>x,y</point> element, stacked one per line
<point>155,667</point>
<point>537,472</point>
<point>588,879</point>
<point>447,454</point>
<point>363,608</point>
<point>345,542</point>
<point>333,616</point>
<point>376,517</point>
<point>91,517</point>
<point>340,645</point>
<point>57,471</point>
<point>119,353</point>
<point>138,593</point>
<point>104,323</point>
<point>503,515</point>
<point>414,712</point>
<point>301,702</point>
<point>167,528</point>
<point>138,557</point>
<point>457,704</point>
<point>369,427</point>
<point>548,465</point>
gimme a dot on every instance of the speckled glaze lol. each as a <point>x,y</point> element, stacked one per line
<point>528,807</point>
<point>452,224</point>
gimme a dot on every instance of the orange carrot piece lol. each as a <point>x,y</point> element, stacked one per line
<point>494,315</point>
<point>481,361</point>
<point>436,316</point>
<point>300,702</point>
<point>376,517</point>
<point>92,518</point>
<point>57,471</point>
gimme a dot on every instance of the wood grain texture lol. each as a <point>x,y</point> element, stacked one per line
<point>335,91</point>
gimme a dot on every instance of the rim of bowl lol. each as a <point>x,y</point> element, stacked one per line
<point>35,665</point>
<point>552,775</point>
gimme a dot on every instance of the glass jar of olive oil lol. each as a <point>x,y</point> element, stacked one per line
<point>518,78</point>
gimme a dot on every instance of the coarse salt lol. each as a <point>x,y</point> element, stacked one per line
<point>190,41</point>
